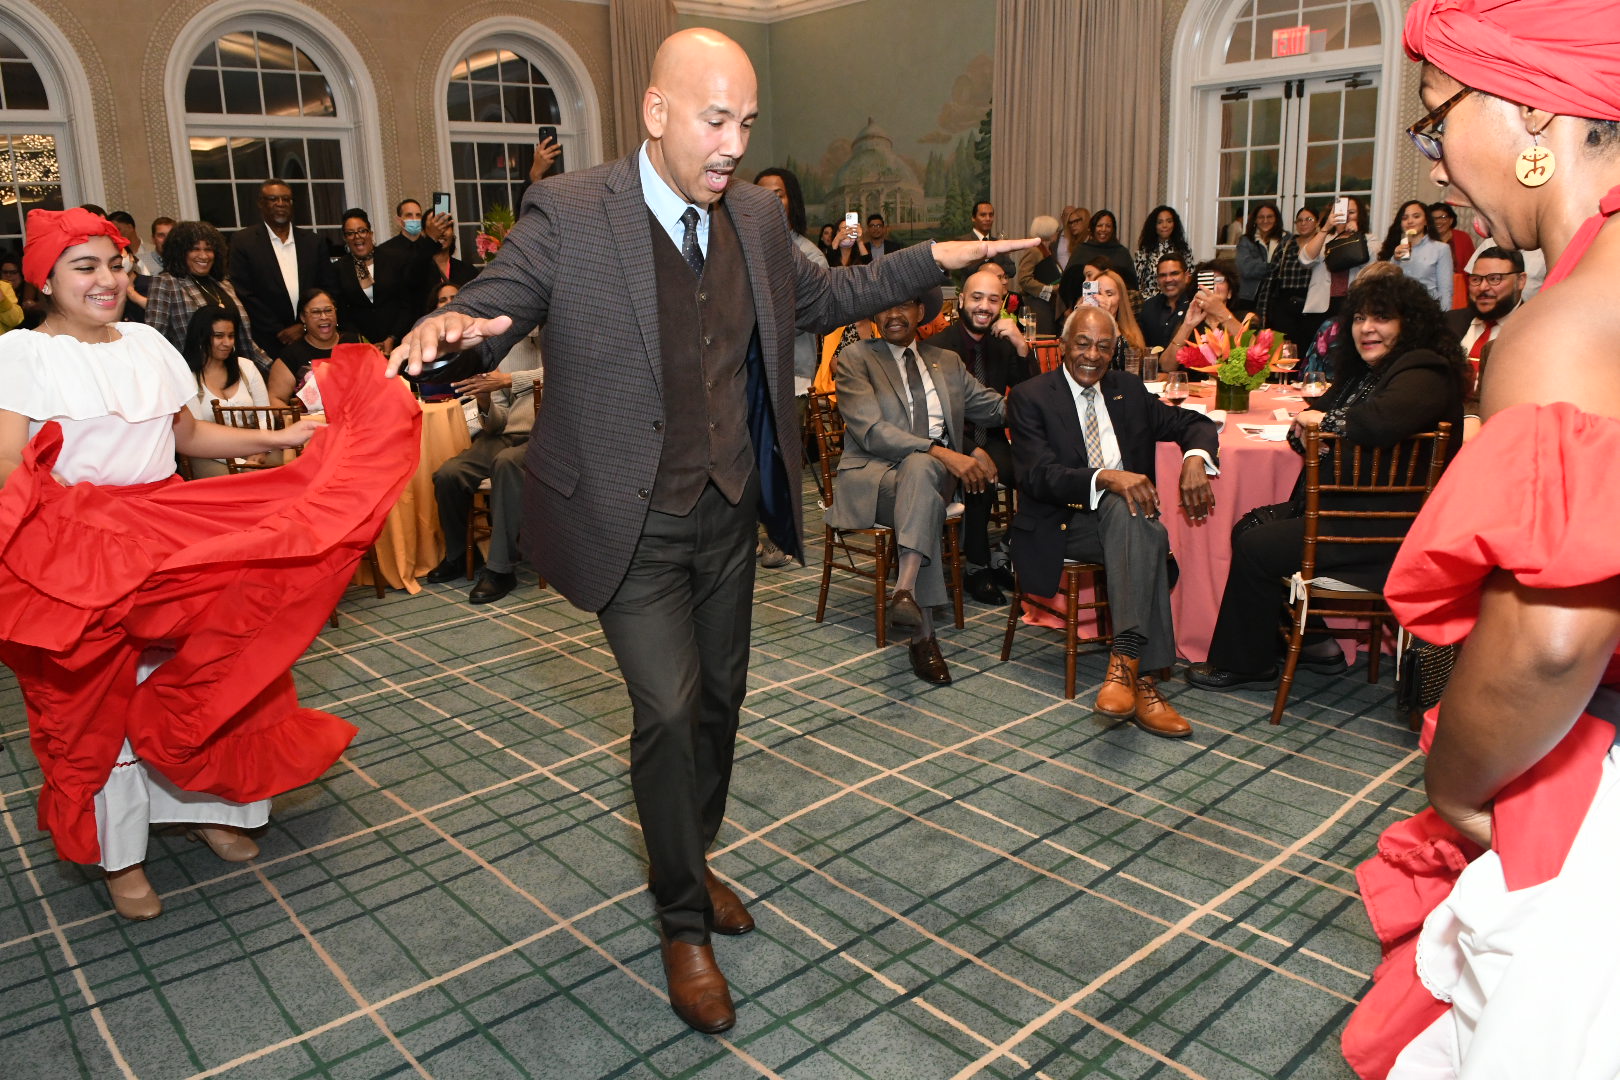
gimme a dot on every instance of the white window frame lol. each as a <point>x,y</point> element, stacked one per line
<point>353,95</point>
<point>1199,74</point>
<point>579,133</point>
<point>71,117</point>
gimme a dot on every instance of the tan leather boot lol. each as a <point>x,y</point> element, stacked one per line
<point>1117,698</point>
<point>1155,715</point>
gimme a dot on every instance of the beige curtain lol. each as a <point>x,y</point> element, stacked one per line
<point>1076,110</point>
<point>635,28</point>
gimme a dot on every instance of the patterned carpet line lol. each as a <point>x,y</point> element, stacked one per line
<point>1209,907</point>
<point>977,961</point>
<point>1312,953</point>
<point>1179,926</point>
<point>897,989</point>
<point>568,925</point>
<point>366,1008</point>
<point>56,931</point>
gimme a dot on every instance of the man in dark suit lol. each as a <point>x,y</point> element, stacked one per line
<point>995,354</point>
<point>905,404</point>
<point>380,291</point>
<point>669,428</point>
<point>272,263</point>
<point>1162,314</point>
<point>1083,439</point>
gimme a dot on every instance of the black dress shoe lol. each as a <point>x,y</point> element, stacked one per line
<point>453,567</point>
<point>981,585</point>
<point>1210,677</point>
<point>1003,576</point>
<point>927,664</point>
<point>492,585</point>
<point>1332,663</point>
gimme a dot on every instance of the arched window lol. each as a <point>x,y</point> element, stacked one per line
<point>1284,101</point>
<point>37,148</point>
<point>502,88</point>
<point>258,105</point>
<point>262,88</point>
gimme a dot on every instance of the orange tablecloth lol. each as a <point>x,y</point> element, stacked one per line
<point>411,543</point>
<point>1253,473</point>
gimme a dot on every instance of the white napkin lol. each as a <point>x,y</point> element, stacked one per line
<point>1195,407</point>
<point>1265,432</point>
<point>1155,388</point>
<point>1219,416</point>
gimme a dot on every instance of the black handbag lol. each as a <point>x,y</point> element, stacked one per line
<point>1421,679</point>
<point>1346,252</point>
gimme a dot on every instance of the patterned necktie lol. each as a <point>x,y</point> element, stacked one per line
<point>919,396</point>
<point>1093,431</point>
<point>690,251</point>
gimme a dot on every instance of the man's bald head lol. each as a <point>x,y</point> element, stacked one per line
<point>699,109</point>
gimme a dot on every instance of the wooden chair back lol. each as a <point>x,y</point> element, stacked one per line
<point>828,427</point>
<point>264,418</point>
<point>1401,476</point>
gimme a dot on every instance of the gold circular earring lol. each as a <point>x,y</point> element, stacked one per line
<point>1535,164</point>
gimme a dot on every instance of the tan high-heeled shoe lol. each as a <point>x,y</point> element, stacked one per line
<point>229,843</point>
<point>139,901</point>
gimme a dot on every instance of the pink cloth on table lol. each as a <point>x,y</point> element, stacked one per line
<point>1253,473</point>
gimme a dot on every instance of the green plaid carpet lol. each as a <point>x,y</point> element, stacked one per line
<point>976,880</point>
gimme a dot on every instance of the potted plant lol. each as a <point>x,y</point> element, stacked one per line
<point>1239,365</point>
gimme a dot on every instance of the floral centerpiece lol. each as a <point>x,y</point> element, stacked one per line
<point>498,221</point>
<point>1239,364</point>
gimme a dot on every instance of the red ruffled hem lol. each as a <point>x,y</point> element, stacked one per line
<point>239,571</point>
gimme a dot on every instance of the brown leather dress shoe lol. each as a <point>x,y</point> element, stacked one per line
<point>1155,715</point>
<point>904,614</point>
<point>927,663</point>
<point>730,916</point>
<point>697,991</point>
<point>1117,698</point>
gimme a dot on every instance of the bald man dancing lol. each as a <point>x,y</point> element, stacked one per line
<point>666,434</point>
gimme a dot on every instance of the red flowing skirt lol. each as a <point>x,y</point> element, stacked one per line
<point>240,572</point>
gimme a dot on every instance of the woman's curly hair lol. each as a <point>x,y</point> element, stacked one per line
<point>1423,325</point>
<point>188,234</point>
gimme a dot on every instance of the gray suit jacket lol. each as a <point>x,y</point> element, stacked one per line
<point>579,262</point>
<point>877,419</point>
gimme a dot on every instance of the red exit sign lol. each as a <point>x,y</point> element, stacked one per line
<point>1290,42</point>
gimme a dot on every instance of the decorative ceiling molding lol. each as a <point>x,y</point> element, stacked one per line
<point>759,11</point>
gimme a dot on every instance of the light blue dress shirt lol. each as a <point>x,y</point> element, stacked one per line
<point>1429,266</point>
<point>667,205</point>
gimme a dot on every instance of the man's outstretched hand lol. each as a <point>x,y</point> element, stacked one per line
<point>439,334</point>
<point>957,254</point>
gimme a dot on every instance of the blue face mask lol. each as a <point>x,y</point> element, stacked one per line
<point>413,226</point>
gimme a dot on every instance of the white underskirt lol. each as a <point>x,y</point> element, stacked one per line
<point>136,797</point>
<point>1533,975</point>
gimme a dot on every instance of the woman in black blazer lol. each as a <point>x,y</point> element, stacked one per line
<point>379,290</point>
<point>1398,371</point>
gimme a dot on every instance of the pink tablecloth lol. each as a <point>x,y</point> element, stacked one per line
<point>1253,473</point>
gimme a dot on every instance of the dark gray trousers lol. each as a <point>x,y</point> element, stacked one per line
<point>454,482</point>
<point>1134,551</point>
<point>679,628</point>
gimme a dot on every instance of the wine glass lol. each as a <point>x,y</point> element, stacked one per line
<point>1314,386</point>
<point>1175,387</point>
<point>1286,360</point>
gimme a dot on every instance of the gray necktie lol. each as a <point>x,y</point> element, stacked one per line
<point>919,396</point>
<point>690,251</point>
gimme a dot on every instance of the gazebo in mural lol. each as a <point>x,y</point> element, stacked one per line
<point>875,179</point>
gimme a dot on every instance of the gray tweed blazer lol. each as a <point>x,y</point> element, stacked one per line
<point>579,264</point>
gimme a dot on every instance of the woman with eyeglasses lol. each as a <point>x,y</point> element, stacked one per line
<point>379,290</point>
<point>1492,903</point>
<point>317,314</point>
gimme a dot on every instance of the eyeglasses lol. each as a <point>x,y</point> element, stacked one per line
<point>355,234</point>
<point>1476,281</point>
<point>317,312</point>
<point>1426,133</point>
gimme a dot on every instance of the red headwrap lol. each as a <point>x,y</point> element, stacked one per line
<point>51,232</point>
<point>1558,55</point>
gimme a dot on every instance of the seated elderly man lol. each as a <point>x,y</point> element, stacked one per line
<point>506,415</point>
<point>905,451</point>
<point>1083,441</point>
